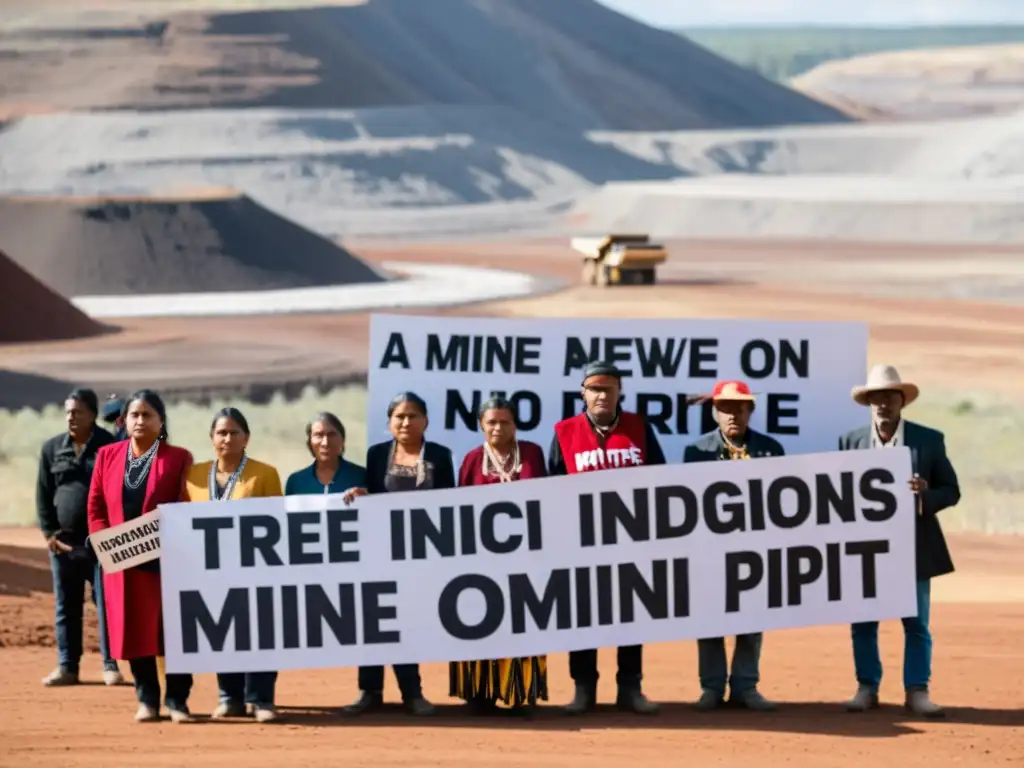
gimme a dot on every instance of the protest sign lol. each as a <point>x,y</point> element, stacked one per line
<point>802,372</point>
<point>129,544</point>
<point>609,558</point>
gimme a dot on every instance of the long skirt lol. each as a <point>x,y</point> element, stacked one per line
<point>512,682</point>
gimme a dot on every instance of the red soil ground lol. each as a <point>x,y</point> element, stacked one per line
<point>977,672</point>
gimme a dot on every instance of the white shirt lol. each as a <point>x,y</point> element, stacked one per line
<point>894,442</point>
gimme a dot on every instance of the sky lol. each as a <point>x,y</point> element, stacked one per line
<point>684,13</point>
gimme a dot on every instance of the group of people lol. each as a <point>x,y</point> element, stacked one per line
<point>89,480</point>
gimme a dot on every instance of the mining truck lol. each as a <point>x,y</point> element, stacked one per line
<point>619,259</point>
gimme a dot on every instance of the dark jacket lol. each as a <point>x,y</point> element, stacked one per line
<point>433,453</point>
<point>62,486</point>
<point>929,460</point>
<point>711,447</point>
<point>653,455</point>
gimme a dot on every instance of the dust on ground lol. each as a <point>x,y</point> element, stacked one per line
<point>977,670</point>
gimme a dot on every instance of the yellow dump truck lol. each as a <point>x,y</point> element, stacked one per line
<point>619,259</point>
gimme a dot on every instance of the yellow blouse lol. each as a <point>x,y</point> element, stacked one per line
<point>257,480</point>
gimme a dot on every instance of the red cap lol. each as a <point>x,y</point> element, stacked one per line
<point>731,390</point>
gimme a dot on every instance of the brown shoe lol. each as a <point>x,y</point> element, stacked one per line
<point>60,676</point>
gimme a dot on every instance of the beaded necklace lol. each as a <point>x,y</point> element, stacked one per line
<point>492,465</point>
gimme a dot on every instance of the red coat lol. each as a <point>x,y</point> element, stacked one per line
<point>531,457</point>
<point>132,597</point>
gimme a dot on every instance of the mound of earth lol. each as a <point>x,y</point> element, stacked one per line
<point>569,62</point>
<point>19,389</point>
<point>573,62</point>
<point>121,246</point>
<point>924,84</point>
<point>29,311</point>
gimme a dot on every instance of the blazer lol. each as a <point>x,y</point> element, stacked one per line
<point>710,447</point>
<point>258,480</point>
<point>433,453</point>
<point>928,456</point>
<point>132,597</point>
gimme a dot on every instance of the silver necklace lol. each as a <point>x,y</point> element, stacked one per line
<point>229,487</point>
<point>136,470</point>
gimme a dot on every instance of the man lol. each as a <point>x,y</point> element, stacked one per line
<point>936,488</point>
<point>62,490</point>
<point>604,437</point>
<point>734,439</point>
<point>113,414</point>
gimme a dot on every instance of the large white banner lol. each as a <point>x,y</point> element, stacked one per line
<point>802,372</point>
<point>600,559</point>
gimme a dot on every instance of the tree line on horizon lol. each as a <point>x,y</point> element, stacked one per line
<point>781,53</point>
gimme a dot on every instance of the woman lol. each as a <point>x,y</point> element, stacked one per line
<point>501,459</point>
<point>407,462</point>
<point>132,478</point>
<point>234,475</point>
<point>329,472</point>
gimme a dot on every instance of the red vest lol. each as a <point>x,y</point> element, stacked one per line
<point>626,446</point>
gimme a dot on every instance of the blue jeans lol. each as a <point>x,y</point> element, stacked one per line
<point>917,647</point>
<point>71,572</point>
<point>714,668</point>
<point>247,687</point>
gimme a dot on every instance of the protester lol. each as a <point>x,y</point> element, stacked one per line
<point>501,459</point>
<point>407,462</point>
<point>604,437</point>
<point>113,414</point>
<point>330,472</point>
<point>733,440</point>
<point>234,475</point>
<point>936,488</point>
<point>62,491</point>
<point>133,478</point>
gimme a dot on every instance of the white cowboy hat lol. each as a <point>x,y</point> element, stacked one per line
<point>882,378</point>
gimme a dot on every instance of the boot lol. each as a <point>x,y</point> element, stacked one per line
<point>419,706</point>
<point>753,700</point>
<point>864,699</point>
<point>367,702</point>
<point>919,703</point>
<point>709,700</point>
<point>583,700</point>
<point>632,699</point>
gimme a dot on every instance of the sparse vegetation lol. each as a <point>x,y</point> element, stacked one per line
<point>780,53</point>
<point>982,434</point>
